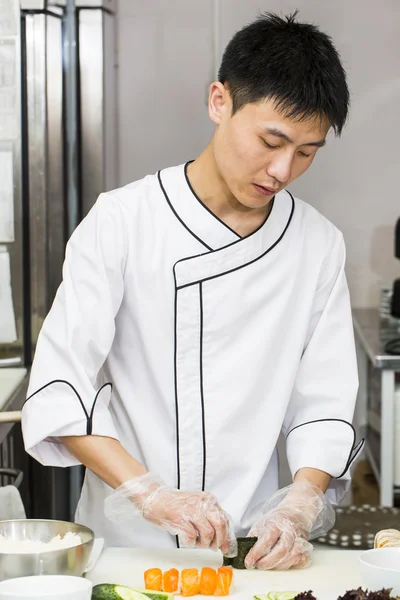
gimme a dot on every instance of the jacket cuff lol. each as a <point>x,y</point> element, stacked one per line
<point>325,444</point>
<point>57,410</point>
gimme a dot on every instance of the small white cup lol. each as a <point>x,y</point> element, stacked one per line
<point>56,587</point>
<point>380,568</point>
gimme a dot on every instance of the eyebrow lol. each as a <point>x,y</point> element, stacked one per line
<point>280,134</point>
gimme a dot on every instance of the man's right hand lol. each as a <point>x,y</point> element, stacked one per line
<point>195,517</point>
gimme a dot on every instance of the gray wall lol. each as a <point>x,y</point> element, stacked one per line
<point>166,63</point>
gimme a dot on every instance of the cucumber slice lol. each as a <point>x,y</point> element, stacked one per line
<point>127,593</point>
<point>276,596</point>
<point>154,595</point>
<point>110,591</point>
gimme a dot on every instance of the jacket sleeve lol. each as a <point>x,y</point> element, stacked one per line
<point>76,337</point>
<point>318,423</point>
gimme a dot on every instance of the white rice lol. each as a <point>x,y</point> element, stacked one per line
<point>10,546</point>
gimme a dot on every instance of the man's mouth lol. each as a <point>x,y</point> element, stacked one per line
<point>264,190</point>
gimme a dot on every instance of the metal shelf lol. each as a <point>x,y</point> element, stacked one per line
<point>372,461</point>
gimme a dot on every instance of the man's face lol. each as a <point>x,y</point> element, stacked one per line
<point>258,151</point>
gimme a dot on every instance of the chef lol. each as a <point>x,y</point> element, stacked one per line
<point>204,309</point>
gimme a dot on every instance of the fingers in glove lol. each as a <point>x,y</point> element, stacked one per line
<point>303,563</point>
<point>263,546</point>
<point>205,529</point>
<point>187,533</point>
<point>220,524</point>
<point>228,545</point>
<point>230,549</point>
<point>298,556</point>
<point>279,552</point>
<point>304,551</point>
<point>225,538</point>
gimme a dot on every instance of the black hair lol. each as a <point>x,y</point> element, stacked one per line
<point>294,64</point>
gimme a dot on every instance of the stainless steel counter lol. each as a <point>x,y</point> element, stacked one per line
<point>379,420</point>
<point>373,337</point>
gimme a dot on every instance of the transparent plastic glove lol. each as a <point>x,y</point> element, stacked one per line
<point>195,517</point>
<point>291,517</point>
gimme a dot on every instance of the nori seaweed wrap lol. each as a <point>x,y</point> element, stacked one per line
<point>245,544</point>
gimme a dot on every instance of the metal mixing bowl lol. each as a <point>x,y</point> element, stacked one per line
<point>68,561</point>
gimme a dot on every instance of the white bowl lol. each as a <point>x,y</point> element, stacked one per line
<point>56,587</point>
<point>380,568</point>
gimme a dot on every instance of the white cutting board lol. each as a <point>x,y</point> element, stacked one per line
<point>332,573</point>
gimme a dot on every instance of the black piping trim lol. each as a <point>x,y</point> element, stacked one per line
<point>355,449</point>
<point>272,204</point>
<point>240,237</point>
<point>89,417</point>
<point>177,216</point>
<point>202,388</point>
<point>245,264</point>
<point>178,485</point>
<point>178,470</point>
<point>176,312</point>
<point>354,452</point>
<point>206,207</point>
<point>90,422</point>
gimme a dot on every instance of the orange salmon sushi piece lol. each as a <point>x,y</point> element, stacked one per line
<point>171,581</point>
<point>208,581</point>
<point>153,580</point>
<point>190,582</point>
<point>224,581</point>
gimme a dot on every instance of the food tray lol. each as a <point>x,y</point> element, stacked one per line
<point>356,526</point>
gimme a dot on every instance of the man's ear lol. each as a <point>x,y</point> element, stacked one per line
<point>219,102</point>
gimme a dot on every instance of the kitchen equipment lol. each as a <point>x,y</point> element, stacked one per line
<point>356,526</point>
<point>380,568</point>
<point>58,151</point>
<point>393,345</point>
<point>67,561</point>
<point>56,587</point>
<point>12,416</point>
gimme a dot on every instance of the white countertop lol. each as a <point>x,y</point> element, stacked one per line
<point>10,378</point>
<point>332,573</point>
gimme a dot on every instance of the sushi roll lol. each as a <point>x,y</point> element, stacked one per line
<point>245,544</point>
<point>208,581</point>
<point>224,581</point>
<point>153,580</point>
<point>190,582</point>
<point>171,581</point>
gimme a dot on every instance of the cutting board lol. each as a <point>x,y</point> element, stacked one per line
<point>332,573</point>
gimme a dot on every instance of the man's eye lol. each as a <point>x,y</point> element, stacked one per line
<point>269,145</point>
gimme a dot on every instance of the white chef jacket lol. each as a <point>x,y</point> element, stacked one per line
<point>195,347</point>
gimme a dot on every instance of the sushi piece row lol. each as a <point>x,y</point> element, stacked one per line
<point>190,582</point>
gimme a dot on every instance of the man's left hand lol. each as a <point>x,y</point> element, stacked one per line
<point>292,516</point>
